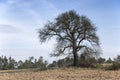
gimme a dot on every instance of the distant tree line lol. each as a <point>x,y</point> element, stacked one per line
<point>88,62</point>
<point>7,63</point>
<point>10,63</point>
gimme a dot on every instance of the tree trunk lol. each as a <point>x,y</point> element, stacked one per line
<point>75,58</point>
<point>75,62</point>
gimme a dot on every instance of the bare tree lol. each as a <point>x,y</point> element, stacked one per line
<point>117,59</point>
<point>72,32</point>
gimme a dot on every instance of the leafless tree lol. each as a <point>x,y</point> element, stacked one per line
<point>72,33</point>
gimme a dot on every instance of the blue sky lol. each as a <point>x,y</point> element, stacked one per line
<point>21,19</point>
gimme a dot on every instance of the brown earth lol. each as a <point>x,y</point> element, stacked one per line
<point>60,74</point>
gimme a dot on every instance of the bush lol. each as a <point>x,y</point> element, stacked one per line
<point>114,66</point>
<point>89,62</point>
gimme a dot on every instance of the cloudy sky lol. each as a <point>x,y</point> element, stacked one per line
<point>21,19</point>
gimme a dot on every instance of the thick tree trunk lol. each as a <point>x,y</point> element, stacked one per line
<point>75,62</point>
<point>75,55</point>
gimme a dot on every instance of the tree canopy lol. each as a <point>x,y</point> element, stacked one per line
<point>73,34</point>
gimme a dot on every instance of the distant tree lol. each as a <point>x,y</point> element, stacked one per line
<point>12,63</point>
<point>35,63</point>
<point>53,64</point>
<point>61,63</point>
<point>109,60</point>
<point>45,64</point>
<point>20,64</point>
<point>5,63</point>
<point>30,62</point>
<point>101,60</point>
<point>117,59</point>
<point>65,62</point>
<point>68,61</point>
<point>26,64</point>
<point>1,62</point>
<point>73,33</point>
<point>40,63</point>
<point>87,60</point>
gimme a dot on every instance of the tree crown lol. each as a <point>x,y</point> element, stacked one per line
<point>72,32</point>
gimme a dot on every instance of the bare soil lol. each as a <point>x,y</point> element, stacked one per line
<point>60,74</point>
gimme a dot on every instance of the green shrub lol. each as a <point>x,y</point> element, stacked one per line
<point>114,66</point>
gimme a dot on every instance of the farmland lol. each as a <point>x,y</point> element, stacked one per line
<point>60,74</point>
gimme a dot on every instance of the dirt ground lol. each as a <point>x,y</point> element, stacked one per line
<point>61,74</point>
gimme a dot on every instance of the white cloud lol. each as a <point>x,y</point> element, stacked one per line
<point>8,29</point>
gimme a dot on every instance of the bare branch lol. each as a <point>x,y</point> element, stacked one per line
<point>72,32</point>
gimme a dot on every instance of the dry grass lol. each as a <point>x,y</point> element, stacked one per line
<point>60,74</point>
